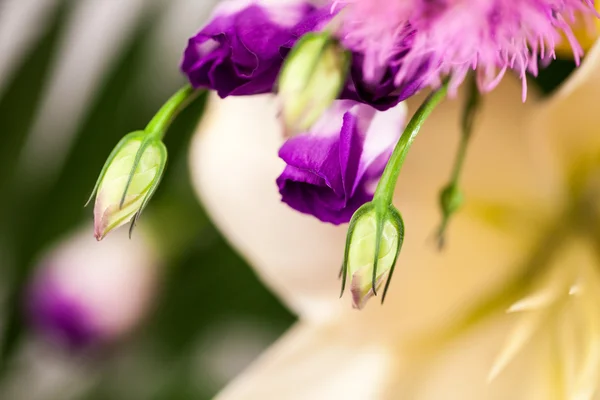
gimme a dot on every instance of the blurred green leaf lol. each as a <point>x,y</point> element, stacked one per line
<point>20,100</point>
<point>48,210</point>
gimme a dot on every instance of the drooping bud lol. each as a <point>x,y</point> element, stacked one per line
<point>311,79</point>
<point>451,199</point>
<point>373,243</point>
<point>127,182</point>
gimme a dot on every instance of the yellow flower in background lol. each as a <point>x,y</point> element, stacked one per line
<point>508,311</point>
<point>585,30</point>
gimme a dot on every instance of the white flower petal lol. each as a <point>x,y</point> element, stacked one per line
<point>234,166</point>
<point>383,133</point>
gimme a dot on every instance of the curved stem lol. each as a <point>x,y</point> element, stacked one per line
<point>166,115</point>
<point>387,183</point>
<point>470,111</point>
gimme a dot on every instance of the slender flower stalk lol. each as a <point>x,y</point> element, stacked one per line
<point>162,120</point>
<point>451,197</point>
<point>385,189</point>
<point>380,222</point>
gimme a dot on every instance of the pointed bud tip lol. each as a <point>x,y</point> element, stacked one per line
<point>99,232</point>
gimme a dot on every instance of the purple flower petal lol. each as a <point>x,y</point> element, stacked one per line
<point>241,50</point>
<point>382,92</point>
<point>332,170</point>
<point>61,316</point>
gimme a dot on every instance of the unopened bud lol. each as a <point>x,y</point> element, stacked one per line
<point>372,247</point>
<point>311,79</point>
<point>451,200</point>
<point>127,182</point>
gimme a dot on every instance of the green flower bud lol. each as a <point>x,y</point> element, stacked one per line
<point>127,182</point>
<point>372,247</point>
<point>311,79</point>
<point>451,199</point>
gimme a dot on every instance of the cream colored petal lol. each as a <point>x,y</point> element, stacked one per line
<point>317,362</point>
<point>570,118</point>
<point>340,360</point>
<point>234,167</point>
<point>336,361</point>
<point>459,372</point>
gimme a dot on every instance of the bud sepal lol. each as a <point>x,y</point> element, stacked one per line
<point>373,243</point>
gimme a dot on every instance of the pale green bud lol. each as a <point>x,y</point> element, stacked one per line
<point>372,247</point>
<point>451,199</point>
<point>311,79</point>
<point>127,182</point>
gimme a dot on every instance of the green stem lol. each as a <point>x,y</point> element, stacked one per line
<point>468,117</point>
<point>168,112</point>
<point>451,195</point>
<point>387,183</point>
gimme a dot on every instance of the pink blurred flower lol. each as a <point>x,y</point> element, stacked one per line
<point>455,36</point>
<point>87,293</point>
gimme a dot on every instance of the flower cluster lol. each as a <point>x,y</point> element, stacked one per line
<point>341,68</point>
<point>397,48</point>
<point>370,55</point>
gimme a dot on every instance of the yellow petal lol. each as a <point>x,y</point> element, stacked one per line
<point>570,119</point>
<point>586,30</point>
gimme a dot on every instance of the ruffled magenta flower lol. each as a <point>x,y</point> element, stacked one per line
<point>241,50</point>
<point>333,169</point>
<point>455,36</point>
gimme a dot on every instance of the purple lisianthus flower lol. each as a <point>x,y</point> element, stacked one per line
<point>381,90</point>
<point>241,50</point>
<point>333,169</point>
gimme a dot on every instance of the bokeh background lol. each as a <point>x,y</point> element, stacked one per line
<point>75,76</point>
